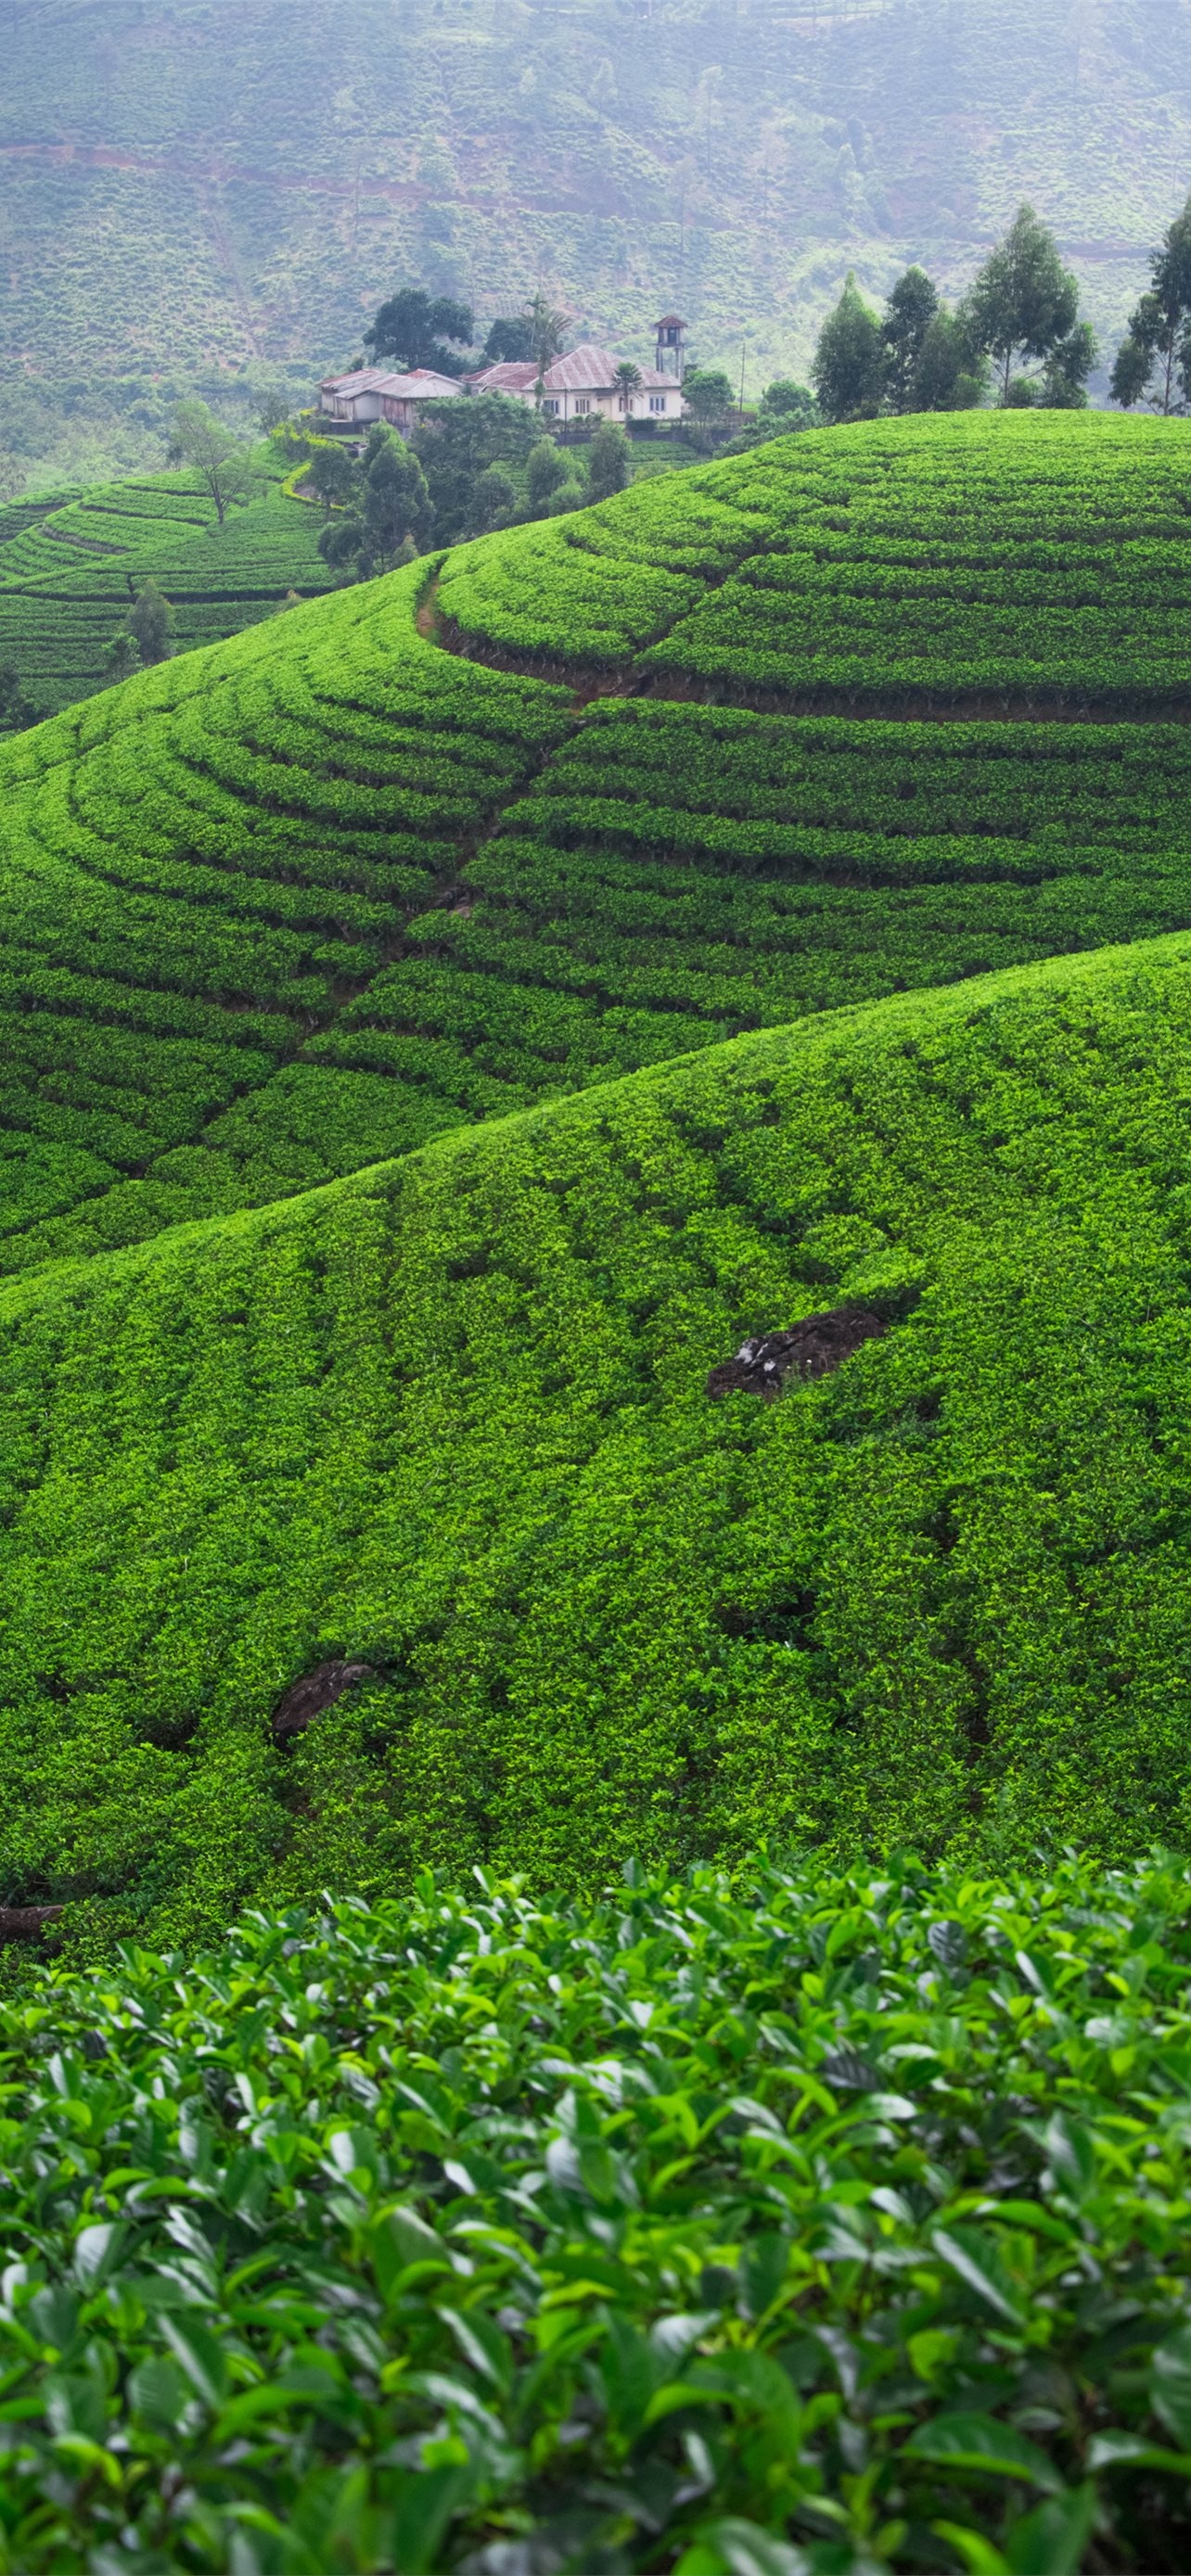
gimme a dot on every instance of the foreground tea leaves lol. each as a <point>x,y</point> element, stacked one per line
<point>782,2227</point>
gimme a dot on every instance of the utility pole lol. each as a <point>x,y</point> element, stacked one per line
<point>743,347</point>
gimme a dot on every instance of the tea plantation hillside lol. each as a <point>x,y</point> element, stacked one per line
<point>447,1423</point>
<point>71,564</point>
<point>869,710</point>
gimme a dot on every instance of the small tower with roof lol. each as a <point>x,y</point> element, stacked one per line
<point>670,334</point>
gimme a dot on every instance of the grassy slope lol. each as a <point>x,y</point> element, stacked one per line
<point>449,1416</point>
<point>69,566</point>
<point>206,182</point>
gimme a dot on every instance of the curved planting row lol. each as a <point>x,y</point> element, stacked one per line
<point>336,890</point>
<point>953,560</point>
<point>198,867</point>
<point>68,575</point>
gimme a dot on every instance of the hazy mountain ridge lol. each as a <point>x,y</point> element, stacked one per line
<point>205,183</point>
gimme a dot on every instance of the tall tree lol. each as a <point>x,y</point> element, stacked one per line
<point>414,328</point>
<point>493,501</point>
<point>848,368</point>
<point>15,710</point>
<point>332,476</point>
<point>273,410</point>
<point>1024,305</point>
<point>545,471</point>
<point>627,381</point>
<point>509,341</point>
<point>1153,363</point>
<point>396,509</point>
<point>910,309</point>
<point>222,461</point>
<point>707,400</point>
<point>946,375</point>
<point>608,459</point>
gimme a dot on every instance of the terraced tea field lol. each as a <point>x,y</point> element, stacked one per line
<point>71,564</point>
<point>599,1240</point>
<point>347,1340</point>
<point>331,889</point>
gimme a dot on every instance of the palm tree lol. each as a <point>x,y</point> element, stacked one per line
<point>548,330</point>
<point>627,380</point>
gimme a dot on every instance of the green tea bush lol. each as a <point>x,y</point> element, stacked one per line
<point>807,2224</point>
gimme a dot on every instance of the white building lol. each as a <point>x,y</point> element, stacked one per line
<point>582,386</point>
<point>372,393</point>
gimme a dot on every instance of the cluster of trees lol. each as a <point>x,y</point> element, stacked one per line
<point>469,468</point>
<point>1017,329</point>
<point>1153,362</point>
<point>420,330</point>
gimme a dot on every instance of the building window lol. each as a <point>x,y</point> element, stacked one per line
<point>550,407</point>
<point>657,402</point>
<point>582,403</point>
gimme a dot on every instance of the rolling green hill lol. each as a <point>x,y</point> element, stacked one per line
<point>70,566</point>
<point>188,184</point>
<point>712,808</point>
<point>306,899</point>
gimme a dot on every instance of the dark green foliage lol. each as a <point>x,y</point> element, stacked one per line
<point>333,476</point>
<point>493,501</point>
<point>122,658</point>
<point>946,375</point>
<point>150,624</point>
<point>15,709</point>
<point>848,369</point>
<point>396,511</point>
<point>707,396</point>
<point>784,2227</point>
<point>607,462</point>
<point>1024,305</point>
<point>415,328</point>
<point>546,470</point>
<point>1153,363</point>
<point>510,338</point>
<point>455,444</point>
<point>910,309</point>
